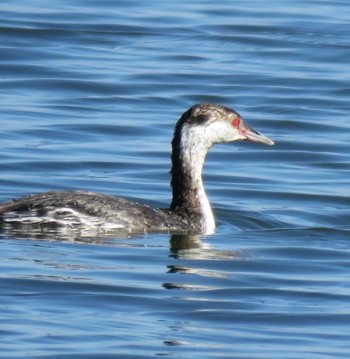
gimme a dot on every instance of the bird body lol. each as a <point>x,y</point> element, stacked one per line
<point>197,130</point>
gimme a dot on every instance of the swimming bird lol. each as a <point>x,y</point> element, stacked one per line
<point>197,130</point>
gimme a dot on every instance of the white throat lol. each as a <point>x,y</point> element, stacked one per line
<point>193,152</point>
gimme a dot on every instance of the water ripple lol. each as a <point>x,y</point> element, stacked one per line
<point>90,93</point>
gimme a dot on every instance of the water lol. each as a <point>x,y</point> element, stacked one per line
<point>90,92</point>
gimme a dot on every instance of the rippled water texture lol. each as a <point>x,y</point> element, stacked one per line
<point>89,94</point>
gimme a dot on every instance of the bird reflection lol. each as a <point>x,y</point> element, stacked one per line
<point>182,246</point>
<point>187,246</point>
<point>195,249</point>
<point>61,234</point>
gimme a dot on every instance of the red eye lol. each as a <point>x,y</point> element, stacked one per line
<point>235,122</point>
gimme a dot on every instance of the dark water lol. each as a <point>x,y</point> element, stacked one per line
<point>89,94</point>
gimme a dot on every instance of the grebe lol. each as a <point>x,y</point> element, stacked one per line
<point>199,128</point>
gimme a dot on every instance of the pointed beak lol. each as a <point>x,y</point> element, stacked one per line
<point>254,136</point>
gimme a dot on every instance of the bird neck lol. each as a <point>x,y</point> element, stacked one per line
<point>189,197</point>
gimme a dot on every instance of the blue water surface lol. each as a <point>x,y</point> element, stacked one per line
<point>89,95</point>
